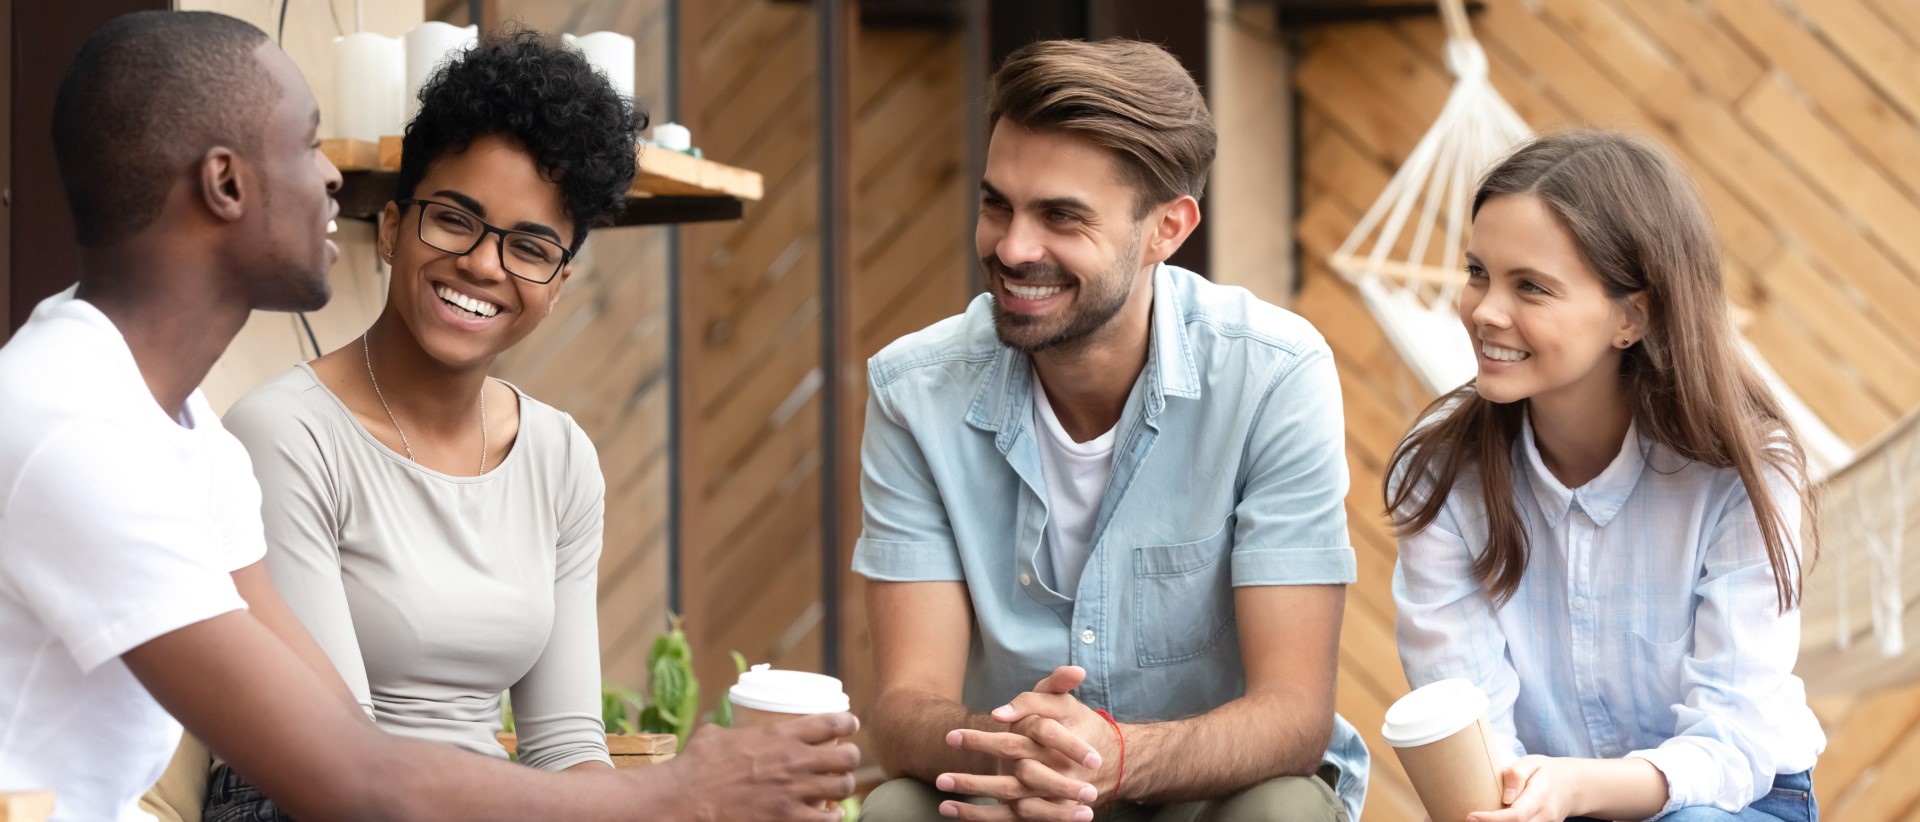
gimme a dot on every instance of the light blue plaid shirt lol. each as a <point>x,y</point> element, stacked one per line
<point>1646,624</point>
<point>1229,470</point>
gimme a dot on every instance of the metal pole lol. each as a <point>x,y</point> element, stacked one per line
<point>833,54</point>
<point>674,492</point>
<point>975,63</point>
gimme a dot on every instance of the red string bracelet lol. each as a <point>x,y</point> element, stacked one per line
<point>1121,772</point>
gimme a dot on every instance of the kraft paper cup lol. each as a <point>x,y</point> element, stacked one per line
<point>764,696</point>
<point>1443,739</point>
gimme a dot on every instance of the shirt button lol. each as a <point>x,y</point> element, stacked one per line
<point>1025,579</point>
<point>1087,636</point>
<point>1579,602</point>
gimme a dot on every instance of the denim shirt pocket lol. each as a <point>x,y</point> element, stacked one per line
<point>1183,597</point>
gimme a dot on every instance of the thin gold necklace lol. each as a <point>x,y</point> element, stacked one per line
<point>367,353</point>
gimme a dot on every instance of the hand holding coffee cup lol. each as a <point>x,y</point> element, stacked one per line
<point>785,771</point>
<point>764,697</point>
<point>1442,736</point>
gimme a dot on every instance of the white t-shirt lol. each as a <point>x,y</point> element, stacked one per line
<point>118,524</point>
<point>1076,475</point>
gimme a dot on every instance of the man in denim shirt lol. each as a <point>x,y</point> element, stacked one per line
<point>1108,486</point>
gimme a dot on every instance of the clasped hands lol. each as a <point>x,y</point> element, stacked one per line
<point>1056,760</point>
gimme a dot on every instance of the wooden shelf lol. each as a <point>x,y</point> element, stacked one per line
<point>670,188</point>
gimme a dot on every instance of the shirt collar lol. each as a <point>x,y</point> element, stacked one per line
<point>1601,498</point>
<point>1003,399</point>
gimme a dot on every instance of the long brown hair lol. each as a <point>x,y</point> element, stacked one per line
<point>1639,224</point>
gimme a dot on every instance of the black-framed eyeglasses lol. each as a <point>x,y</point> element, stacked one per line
<point>530,257</point>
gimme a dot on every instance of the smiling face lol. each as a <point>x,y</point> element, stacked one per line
<point>1057,238</point>
<point>296,204</point>
<point>1539,317</point>
<point>466,309</point>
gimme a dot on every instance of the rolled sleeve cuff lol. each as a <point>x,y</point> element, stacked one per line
<point>1692,775</point>
<point>907,561</point>
<point>556,761</point>
<point>1293,566</point>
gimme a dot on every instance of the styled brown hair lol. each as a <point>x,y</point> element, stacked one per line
<point>1131,97</point>
<point>1639,223</point>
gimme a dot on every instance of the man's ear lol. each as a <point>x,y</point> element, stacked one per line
<point>1169,226</point>
<point>222,185</point>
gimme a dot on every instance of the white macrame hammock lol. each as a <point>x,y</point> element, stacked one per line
<point>1403,257</point>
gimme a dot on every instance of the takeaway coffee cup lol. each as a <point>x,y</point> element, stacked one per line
<point>764,696</point>
<point>1441,734</point>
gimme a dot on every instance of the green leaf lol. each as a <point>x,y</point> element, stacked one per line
<point>723,713</point>
<point>651,723</point>
<point>673,690</point>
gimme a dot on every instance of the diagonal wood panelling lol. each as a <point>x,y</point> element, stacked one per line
<point>750,554</point>
<point>601,357</point>
<point>750,83</point>
<point>751,550</point>
<point>1798,119</point>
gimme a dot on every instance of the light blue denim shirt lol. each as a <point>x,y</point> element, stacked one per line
<point>1646,624</point>
<point>1229,470</point>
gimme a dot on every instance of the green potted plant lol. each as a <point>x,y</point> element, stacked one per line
<point>644,728</point>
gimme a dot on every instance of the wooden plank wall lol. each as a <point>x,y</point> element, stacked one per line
<point>912,238</point>
<point>751,549</point>
<point>602,356</point>
<point>1798,119</point>
<point>753,379</point>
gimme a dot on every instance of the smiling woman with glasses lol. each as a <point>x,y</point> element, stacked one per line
<point>536,258</point>
<point>436,530</point>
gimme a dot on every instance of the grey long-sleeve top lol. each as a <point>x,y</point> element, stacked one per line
<point>432,593</point>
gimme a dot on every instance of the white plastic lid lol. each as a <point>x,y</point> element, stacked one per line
<point>788,692</point>
<point>1433,713</point>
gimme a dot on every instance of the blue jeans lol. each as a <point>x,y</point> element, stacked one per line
<point>1791,800</point>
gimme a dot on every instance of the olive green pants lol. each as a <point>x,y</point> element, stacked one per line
<point>1286,799</point>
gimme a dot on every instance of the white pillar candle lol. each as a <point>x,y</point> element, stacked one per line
<point>369,86</point>
<point>612,53</point>
<point>672,136</point>
<point>428,45</point>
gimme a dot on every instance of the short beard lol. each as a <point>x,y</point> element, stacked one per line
<point>1099,301</point>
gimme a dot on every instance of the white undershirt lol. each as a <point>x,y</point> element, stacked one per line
<point>1076,477</point>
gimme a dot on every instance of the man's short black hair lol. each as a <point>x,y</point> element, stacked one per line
<point>549,99</point>
<point>146,97</point>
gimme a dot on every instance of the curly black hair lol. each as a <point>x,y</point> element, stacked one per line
<point>516,83</point>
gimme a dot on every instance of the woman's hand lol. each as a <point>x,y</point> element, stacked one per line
<point>1535,789</point>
